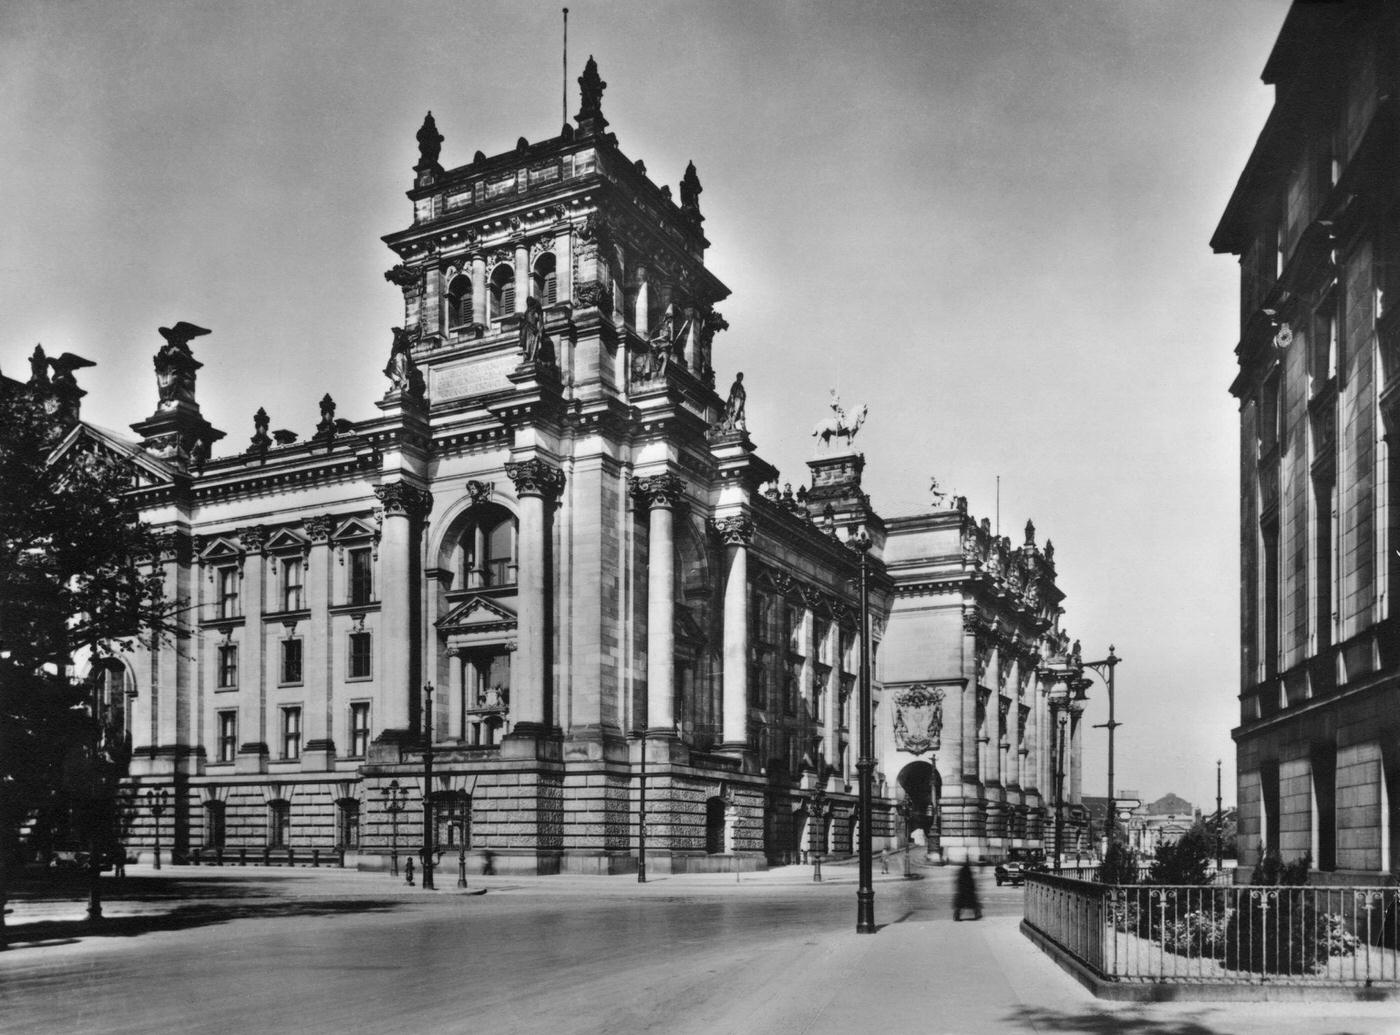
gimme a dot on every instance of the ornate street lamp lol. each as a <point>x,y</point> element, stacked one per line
<point>395,798</point>
<point>865,764</point>
<point>818,807</point>
<point>428,831</point>
<point>1104,670</point>
<point>157,801</point>
<point>905,808</point>
<point>463,805</point>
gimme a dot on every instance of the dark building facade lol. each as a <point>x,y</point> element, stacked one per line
<point>1315,221</point>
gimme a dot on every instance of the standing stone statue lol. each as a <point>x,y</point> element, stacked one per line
<point>535,346</point>
<point>736,405</point>
<point>403,374</point>
<point>175,364</point>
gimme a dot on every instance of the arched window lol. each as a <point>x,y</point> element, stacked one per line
<point>543,282</point>
<point>459,302</point>
<point>502,292</point>
<point>489,549</point>
<point>111,699</point>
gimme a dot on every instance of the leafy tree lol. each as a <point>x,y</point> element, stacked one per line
<point>1119,864</point>
<point>1187,861</point>
<point>71,580</point>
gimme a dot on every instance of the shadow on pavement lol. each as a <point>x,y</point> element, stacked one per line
<point>57,932</point>
<point>1135,1022</point>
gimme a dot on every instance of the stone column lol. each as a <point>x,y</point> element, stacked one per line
<point>522,275</point>
<point>993,774</point>
<point>252,675</point>
<point>537,484</point>
<point>479,290</point>
<point>736,534</point>
<point>660,493</point>
<point>320,651</point>
<point>1076,754</point>
<point>404,506</point>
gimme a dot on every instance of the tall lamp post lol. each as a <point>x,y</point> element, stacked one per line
<point>394,800</point>
<point>428,838</point>
<point>463,805</point>
<point>1219,822</point>
<point>157,801</point>
<point>1062,720</point>
<point>818,807</point>
<point>1104,670</point>
<point>865,764</point>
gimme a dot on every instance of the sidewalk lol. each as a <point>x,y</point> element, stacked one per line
<point>919,973</point>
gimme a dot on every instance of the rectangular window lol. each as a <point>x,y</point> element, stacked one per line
<point>293,574</point>
<point>228,665</point>
<point>361,658</point>
<point>279,824</point>
<point>359,729</point>
<point>291,661</point>
<point>213,824</point>
<point>228,593</point>
<point>361,576</point>
<point>347,827</point>
<point>228,735</point>
<point>291,733</point>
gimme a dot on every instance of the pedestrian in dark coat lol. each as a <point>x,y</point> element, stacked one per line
<point>965,895</point>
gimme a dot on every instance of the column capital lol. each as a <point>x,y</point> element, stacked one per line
<point>403,500</point>
<point>657,490</point>
<point>535,477</point>
<point>733,531</point>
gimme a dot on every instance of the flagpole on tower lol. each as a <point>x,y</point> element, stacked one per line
<point>565,96</point>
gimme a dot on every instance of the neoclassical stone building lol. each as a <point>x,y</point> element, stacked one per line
<point>557,549</point>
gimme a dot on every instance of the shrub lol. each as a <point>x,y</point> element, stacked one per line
<point>1185,862</point>
<point>1197,933</point>
<point>1119,864</point>
<point>1277,929</point>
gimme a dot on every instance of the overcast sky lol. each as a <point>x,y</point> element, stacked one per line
<point>988,220</point>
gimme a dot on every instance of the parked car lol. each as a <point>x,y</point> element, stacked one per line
<point>1013,870</point>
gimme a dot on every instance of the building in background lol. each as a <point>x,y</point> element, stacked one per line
<point>1160,822</point>
<point>556,549</point>
<point>1315,221</point>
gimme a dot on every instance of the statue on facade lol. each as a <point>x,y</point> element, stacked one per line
<point>63,367</point>
<point>403,374</point>
<point>429,143</point>
<point>535,346</point>
<point>175,364</point>
<point>1030,533</point>
<point>841,424</point>
<point>662,344</point>
<point>736,406</point>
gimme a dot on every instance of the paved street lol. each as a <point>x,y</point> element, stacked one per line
<point>317,950</point>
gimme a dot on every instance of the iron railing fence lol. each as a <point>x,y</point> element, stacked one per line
<point>1144,873</point>
<point>1237,934</point>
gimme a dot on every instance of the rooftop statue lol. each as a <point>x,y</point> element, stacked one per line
<point>63,367</point>
<point>736,406</point>
<point>690,192</point>
<point>591,87</point>
<point>429,143</point>
<point>176,366</point>
<point>38,367</point>
<point>842,424</point>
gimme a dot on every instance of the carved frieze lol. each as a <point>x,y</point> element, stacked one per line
<point>318,527</point>
<point>918,719</point>
<point>479,492</point>
<point>253,538</point>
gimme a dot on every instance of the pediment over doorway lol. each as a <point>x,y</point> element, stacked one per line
<point>478,615</point>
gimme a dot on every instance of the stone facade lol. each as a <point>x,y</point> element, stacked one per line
<point>1315,221</point>
<point>557,550</point>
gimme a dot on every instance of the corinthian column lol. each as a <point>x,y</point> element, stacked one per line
<point>537,484</point>
<point>660,492</point>
<point>736,533</point>
<point>404,506</point>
